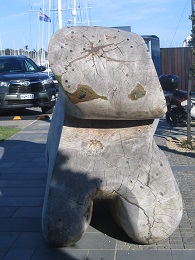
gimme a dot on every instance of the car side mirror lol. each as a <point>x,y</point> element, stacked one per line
<point>42,68</point>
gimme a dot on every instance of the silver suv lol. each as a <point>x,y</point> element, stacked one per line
<point>23,85</point>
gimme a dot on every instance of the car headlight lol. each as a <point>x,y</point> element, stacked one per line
<point>4,84</point>
<point>47,81</point>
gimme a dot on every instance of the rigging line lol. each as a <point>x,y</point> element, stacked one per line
<point>178,23</point>
<point>80,13</point>
<point>31,4</point>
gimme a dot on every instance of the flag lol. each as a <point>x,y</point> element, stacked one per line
<point>44,17</point>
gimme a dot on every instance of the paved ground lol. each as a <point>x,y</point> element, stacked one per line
<point>20,118</point>
<point>22,184</point>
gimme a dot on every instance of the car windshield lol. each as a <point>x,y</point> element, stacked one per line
<point>17,65</point>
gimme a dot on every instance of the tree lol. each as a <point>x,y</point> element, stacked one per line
<point>191,76</point>
<point>191,42</point>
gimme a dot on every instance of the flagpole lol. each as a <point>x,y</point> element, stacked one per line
<point>39,40</point>
<point>49,27</point>
<point>42,37</point>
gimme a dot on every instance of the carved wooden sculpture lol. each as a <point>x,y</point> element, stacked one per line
<point>100,142</point>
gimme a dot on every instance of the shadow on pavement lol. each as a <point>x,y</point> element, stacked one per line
<point>103,221</point>
<point>13,155</point>
<point>19,169</point>
<point>165,130</point>
<point>20,112</point>
<point>166,149</point>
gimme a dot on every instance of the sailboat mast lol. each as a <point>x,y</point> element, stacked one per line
<point>60,14</point>
<point>74,13</point>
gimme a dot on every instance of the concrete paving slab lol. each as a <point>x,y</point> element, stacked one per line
<point>101,254</point>
<point>18,254</point>
<point>7,212</point>
<point>97,241</point>
<point>59,254</point>
<point>31,239</point>
<point>3,251</point>
<point>22,183</point>
<point>22,192</point>
<point>7,238</point>
<point>183,254</point>
<point>28,212</point>
<point>143,255</point>
<point>20,201</point>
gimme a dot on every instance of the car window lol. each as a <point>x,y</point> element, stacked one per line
<point>10,65</point>
<point>17,65</point>
<point>30,67</point>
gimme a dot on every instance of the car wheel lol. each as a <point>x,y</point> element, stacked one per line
<point>47,110</point>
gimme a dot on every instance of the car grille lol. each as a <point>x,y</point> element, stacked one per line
<point>16,88</point>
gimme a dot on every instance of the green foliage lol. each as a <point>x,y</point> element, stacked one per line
<point>192,17</point>
<point>192,41</point>
<point>7,132</point>
<point>193,69</point>
<point>187,144</point>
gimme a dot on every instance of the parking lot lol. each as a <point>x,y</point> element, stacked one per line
<point>21,118</point>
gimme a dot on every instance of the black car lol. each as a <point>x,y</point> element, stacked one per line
<point>56,83</point>
<point>23,85</point>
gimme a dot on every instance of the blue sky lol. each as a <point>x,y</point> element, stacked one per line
<point>167,19</point>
